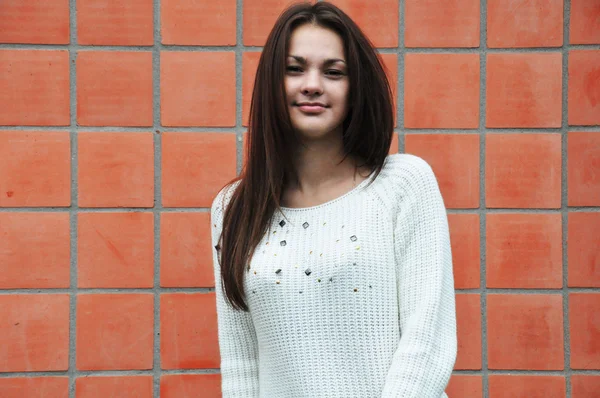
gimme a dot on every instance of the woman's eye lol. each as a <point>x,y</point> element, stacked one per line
<point>293,69</point>
<point>335,72</point>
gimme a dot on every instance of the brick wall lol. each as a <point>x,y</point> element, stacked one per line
<point>119,121</point>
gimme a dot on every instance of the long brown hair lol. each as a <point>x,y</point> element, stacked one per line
<point>367,134</point>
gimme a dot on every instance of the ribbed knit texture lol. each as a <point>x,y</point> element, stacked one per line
<point>350,298</point>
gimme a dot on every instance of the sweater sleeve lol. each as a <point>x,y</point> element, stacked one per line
<point>423,361</point>
<point>238,345</point>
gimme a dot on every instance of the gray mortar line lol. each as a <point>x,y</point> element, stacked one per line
<point>564,196</point>
<point>157,135</point>
<point>483,50</point>
<point>72,372</point>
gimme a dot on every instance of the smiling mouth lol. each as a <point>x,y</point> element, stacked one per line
<point>310,104</point>
<point>311,108</point>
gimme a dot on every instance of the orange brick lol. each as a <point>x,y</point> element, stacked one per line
<point>114,331</point>
<point>35,22</point>
<point>190,22</point>
<point>468,317</point>
<point>114,88</point>
<point>379,23</point>
<point>47,387</point>
<point>115,250</point>
<point>525,331</point>
<point>259,18</point>
<point>583,163</point>
<point>465,237</point>
<point>188,331</point>
<point>195,166</point>
<point>524,90</point>
<point>34,87</point>
<point>585,23</point>
<point>585,386</point>
<point>45,267</point>
<point>524,251</point>
<point>394,144</point>
<point>115,23</point>
<point>584,329</point>
<point>441,91</point>
<point>114,386</point>
<point>186,250</point>
<point>35,332</point>
<point>35,169</point>
<point>465,386</point>
<point>197,88</point>
<point>249,66</point>
<point>526,386</point>
<point>524,23</point>
<point>390,64</point>
<point>116,169</point>
<point>178,385</point>
<point>584,87</point>
<point>584,241</point>
<point>455,160</point>
<point>523,170</point>
<point>442,23</point>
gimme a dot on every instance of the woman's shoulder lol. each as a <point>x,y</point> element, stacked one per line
<point>223,196</point>
<point>404,177</point>
<point>407,171</point>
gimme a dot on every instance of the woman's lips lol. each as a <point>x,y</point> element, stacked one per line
<point>311,108</point>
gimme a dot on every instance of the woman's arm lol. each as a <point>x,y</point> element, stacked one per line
<point>237,337</point>
<point>423,362</point>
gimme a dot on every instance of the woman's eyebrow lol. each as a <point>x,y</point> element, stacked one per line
<point>328,61</point>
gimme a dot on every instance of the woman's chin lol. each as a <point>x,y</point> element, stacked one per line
<point>315,132</point>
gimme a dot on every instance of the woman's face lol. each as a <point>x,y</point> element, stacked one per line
<point>316,82</point>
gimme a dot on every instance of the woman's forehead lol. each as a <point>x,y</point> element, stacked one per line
<point>315,44</point>
<point>314,40</point>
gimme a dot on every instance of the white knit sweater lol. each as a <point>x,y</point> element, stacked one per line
<point>353,298</point>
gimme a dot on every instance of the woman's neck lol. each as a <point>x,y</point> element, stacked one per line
<point>321,176</point>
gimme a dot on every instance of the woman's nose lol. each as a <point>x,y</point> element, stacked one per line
<point>312,84</point>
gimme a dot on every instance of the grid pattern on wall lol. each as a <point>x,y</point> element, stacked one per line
<point>119,122</point>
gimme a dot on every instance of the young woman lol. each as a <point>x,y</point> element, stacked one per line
<point>332,260</point>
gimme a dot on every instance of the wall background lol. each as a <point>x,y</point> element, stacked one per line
<point>119,122</point>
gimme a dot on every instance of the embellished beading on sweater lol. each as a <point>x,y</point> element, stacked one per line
<point>350,298</point>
